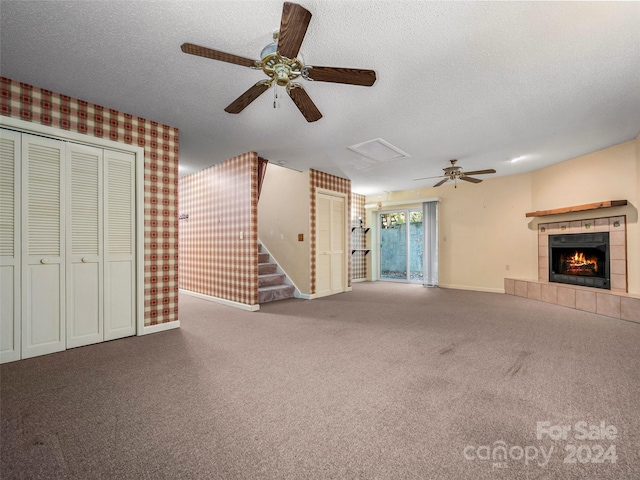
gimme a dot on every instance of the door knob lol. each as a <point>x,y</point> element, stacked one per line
<point>85,259</point>
<point>44,261</point>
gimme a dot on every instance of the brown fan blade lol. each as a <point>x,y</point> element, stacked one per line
<point>304,103</point>
<point>293,27</point>
<point>441,182</point>
<point>480,172</point>
<point>247,97</point>
<point>427,178</point>
<point>192,49</point>
<point>469,179</point>
<point>351,76</point>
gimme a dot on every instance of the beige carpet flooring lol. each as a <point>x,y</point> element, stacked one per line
<point>389,381</point>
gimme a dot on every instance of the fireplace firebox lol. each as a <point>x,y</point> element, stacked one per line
<point>580,259</point>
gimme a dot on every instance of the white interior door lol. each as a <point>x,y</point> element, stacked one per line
<point>84,262</point>
<point>120,257</point>
<point>10,154</point>
<point>330,245</point>
<point>43,273</point>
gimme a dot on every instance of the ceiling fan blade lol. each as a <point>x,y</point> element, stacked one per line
<point>192,49</point>
<point>351,76</point>
<point>441,182</point>
<point>247,97</point>
<point>480,172</point>
<point>470,179</point>
<point>293,27</point>
<point>304,103</point>
<point>426,178</point>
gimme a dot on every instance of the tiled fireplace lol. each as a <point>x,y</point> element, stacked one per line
<point>616,229</point>
<point>611,300</point>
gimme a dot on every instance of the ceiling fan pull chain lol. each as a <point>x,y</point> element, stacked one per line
<point>275,95</point>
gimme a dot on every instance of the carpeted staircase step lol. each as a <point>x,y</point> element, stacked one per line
<point>266,268</point>
<point>273,293</point>
<point>263,257</point>
<point>271,279</point>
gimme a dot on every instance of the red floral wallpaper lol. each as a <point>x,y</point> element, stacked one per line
<point>160,143</point>
<point>317,180</point>
<point>358,237</point>
<point>219,230</point>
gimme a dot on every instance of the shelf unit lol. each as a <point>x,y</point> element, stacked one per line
<point>364,231</point>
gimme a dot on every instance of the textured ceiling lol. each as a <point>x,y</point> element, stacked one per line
<point>483,82</point>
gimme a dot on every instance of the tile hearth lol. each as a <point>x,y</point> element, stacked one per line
<point>612,304</point>
<point>615,303</point>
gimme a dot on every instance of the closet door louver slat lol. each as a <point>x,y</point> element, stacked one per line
<point>44,200</point>
<point>7,196</point>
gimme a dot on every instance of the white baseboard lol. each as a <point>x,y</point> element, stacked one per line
<point>223,301</point>
<point>475,289</point>
<point>161,327</point>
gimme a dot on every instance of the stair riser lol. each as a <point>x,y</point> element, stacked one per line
<point>266,268</point>
<point>263,258</point>
<point>270,280</point>
<point>286,291</point>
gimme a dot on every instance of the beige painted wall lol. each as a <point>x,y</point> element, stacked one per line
<point>483,227</point>
<point>608,174</point>
<point>283,213</point>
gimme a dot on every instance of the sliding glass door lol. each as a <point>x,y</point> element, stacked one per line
<point>408,240</point>
<point>401,245</point>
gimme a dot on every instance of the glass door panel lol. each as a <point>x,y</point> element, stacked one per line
<point>393,246</point>
<point>416,246</point>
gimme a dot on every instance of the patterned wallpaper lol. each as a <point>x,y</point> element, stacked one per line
<point>219,230</point>
<point>323,180</point>
<point>160,143</point>
<point>358,237</point>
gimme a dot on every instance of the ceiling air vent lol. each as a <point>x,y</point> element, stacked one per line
<point>379,150</point>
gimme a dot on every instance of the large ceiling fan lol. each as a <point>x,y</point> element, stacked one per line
<point>456,173</point>
<point>280,62</point>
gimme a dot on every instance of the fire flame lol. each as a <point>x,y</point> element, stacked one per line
<point>578,260</point>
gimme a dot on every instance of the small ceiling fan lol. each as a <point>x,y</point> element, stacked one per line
<point>279,62</point>
<point>456,173</point>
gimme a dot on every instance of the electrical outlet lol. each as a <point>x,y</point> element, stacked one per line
<point>506,267</point>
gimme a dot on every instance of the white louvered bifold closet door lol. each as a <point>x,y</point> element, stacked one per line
<point>43,272</point>
<point>67,245</point>
<point>10,154</point>
<point>84,259</point>
<point>120,259</point>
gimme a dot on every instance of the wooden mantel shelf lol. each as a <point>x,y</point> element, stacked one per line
<point>578,208</point>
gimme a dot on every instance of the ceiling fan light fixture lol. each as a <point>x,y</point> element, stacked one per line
<point>268,50</point>
<point>282,75</point>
